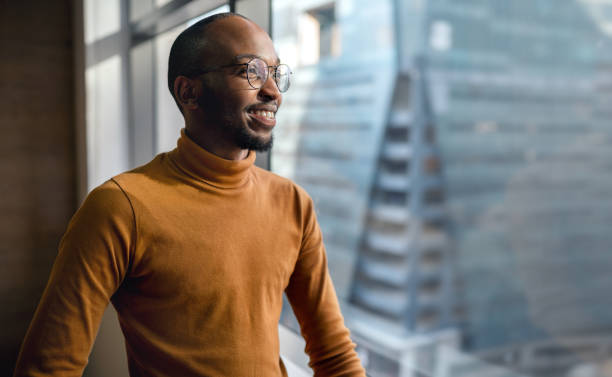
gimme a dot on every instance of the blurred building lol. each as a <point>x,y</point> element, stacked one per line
<point>518,90</point>
<point>467,190</point>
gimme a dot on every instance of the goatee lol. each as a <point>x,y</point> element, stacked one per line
<point>245,140</point>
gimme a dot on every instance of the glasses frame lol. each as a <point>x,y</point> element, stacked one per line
<point>276,67</point>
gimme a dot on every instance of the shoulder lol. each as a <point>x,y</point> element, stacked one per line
<point>148,173</point>
<point>105,208</point>
<point>148,183</point>
<point>106,201</point>
<point>115,196</point>
<point>279,185</point>
<point>287,194</point>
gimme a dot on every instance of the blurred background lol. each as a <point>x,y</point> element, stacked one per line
<point>458,153</point>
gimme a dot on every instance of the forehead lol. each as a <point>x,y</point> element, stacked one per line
<point>238,39</point>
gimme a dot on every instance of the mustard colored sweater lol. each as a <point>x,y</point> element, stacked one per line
<point>194,252</point>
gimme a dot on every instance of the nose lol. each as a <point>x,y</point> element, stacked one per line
<point>269,91</point>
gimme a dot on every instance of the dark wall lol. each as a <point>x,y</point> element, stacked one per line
<point>37,156</point>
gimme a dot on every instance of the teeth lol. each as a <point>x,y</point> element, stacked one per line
<point>263,113</point>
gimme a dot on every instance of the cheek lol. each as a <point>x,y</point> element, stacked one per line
<point>228,98</point>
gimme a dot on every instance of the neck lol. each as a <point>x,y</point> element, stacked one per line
<point>205,166</point>
<point>215,145</point>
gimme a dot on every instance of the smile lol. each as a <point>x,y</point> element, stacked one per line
<point>269,115</point>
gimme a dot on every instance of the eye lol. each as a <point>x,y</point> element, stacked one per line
<point>252,72</point>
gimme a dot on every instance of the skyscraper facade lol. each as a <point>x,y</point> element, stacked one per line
<point>458,153</point>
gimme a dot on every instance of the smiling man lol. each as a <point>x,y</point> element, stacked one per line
<point>196,248</point>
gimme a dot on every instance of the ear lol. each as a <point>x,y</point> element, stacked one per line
<point>186,92</point>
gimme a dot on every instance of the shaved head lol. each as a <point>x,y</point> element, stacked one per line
<point>194,48</point>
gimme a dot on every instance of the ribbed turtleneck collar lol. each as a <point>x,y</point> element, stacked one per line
<point>211,168</point>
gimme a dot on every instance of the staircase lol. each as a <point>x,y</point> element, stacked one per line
<point>404,272</point>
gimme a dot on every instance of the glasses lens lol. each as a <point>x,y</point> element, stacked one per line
<point>257,73</point>
<point>281,76</point>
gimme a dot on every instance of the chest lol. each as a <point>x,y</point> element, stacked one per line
<point>221,247</point>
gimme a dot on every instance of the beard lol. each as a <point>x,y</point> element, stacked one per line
<point>231,124</point>
<point>246,140</point>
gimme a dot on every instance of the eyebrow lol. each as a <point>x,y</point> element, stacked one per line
<point>251,56</point>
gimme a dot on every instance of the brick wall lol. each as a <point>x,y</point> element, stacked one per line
<point>37,156</point>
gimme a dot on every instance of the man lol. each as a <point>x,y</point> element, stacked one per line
<point>195,249</point>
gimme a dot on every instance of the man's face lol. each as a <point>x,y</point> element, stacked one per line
<point>244,116</point>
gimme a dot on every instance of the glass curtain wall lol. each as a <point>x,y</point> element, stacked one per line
<point>458,153</point>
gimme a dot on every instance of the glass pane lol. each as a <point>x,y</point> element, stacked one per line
<point>106,130</point>
<point>169,119</point>
<point>139,8</point>
<point>458,154</point>
<point>142,92</point>
<point>102,18</point>
<point>327,129</point>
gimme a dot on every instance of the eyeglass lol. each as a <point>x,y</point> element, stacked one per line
<point>257,73</point>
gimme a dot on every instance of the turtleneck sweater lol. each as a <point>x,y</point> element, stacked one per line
<point>194,252</point>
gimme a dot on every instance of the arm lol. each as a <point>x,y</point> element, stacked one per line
<point>93,258</point>
<point>314,302</point>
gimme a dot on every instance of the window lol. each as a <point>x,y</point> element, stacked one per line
<point>319,34</point>
<point>458,157</point>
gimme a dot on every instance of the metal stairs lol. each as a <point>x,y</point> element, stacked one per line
<point>404,271</point>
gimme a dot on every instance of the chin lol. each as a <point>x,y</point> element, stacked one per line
<point>247,140</point>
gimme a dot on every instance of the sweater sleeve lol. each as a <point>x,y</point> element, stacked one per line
<point>314,302</point>
<point>93,258</point>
